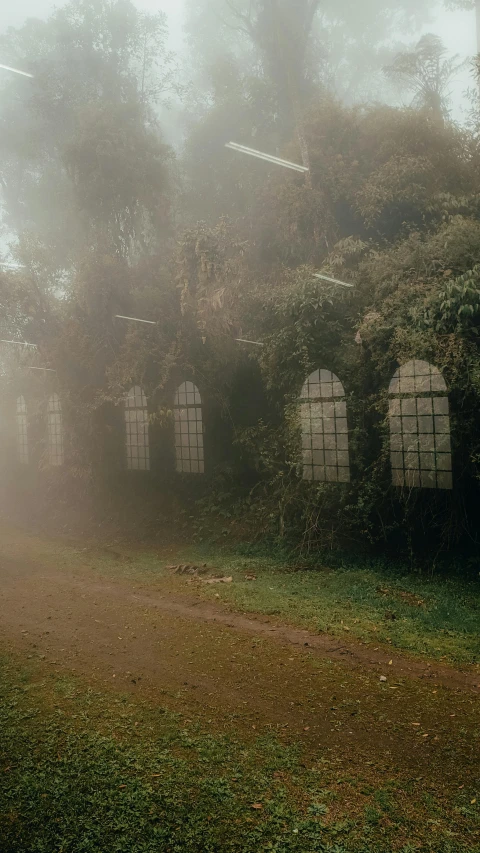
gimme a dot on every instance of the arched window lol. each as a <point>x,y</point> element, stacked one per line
<point>136,423</point>
<point>55,431</point>
<point>189,430</point>
<point>323,412</point>
<point>22,431</point>
<point>419,416</point>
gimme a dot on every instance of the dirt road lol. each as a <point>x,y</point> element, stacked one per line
<point>225,668</point>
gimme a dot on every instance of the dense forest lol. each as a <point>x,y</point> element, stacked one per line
<point>104,217</point>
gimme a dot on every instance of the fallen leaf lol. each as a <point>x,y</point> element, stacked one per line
<point>472,802</point>
<point>390,662</point>
<point>415,724</point>
<point>257,806</point>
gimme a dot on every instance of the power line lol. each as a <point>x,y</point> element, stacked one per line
<point>269,158</point>
<point>48,369</point>
<point>332,280</point>
<point>254,343</point>
<point>18,343</point>
<point>135,319</point>
<point>16,71</point>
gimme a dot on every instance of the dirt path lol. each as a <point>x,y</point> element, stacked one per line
<point>226,667</point>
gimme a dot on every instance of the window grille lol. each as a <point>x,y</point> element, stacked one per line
<point>189,449</point>
<point>22,431</point>
<point>136,423</point>
<point>55,431</point>
<point>323,411</point>
<point>420,448</point>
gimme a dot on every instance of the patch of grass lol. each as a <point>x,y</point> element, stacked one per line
<point>370,600</point>
<point>437,617</point>
<point>92,772</point>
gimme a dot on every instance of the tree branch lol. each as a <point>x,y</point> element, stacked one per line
<point>246,19</point>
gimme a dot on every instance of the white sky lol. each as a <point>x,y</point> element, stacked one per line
<point>457,29</point>
<point>14,13</point>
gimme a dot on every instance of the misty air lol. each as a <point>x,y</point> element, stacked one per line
<point>240,426</point>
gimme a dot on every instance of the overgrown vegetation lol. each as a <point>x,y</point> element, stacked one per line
<point>390,204</point>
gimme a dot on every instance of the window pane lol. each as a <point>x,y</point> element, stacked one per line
<point>136,430</point>
<point>22,431</point>
<point>188,429</point>
<point>55,431</point>
<point>420,427</point>
<point>324,429</point>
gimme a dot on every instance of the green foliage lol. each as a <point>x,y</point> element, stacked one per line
<point>379,601</point>
<point>456,308</point>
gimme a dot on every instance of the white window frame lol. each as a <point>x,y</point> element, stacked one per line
<point>137,440</point>
<point>324,427</point>
<point>419,419</point>
<point>21,416</point>
<point>189,433</point>
<point>55,432</point>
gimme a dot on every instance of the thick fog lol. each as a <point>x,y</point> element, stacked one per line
<point>456,29</point>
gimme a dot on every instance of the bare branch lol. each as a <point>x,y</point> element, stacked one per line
<point>246,19</point>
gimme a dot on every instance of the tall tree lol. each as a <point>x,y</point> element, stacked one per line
<point>83,162</point>
<point>427,72</point>
<point>340,42</point>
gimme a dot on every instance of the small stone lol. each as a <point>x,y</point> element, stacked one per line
<point>383,678</point>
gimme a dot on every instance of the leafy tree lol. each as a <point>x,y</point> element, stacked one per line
<point>88,190</point>
<point>67,134</point>
<point>427,72</point>
<point>297,44</point>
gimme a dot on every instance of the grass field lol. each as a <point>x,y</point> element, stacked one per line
<point>372,601</point>
<point>380,767</point>
<point>92,772</point>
